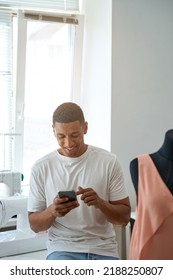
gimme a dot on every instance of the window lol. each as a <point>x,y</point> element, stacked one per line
<point>48,83</point>
<point>45,73</point>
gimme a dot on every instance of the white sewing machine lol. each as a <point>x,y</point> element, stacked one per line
<point>22,239</point>
<point>10,182</point>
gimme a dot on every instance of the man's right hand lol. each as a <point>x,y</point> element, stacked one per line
<point>62,206</point>
<point>43,220</point>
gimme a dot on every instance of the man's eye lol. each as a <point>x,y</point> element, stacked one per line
<point>60,136</point>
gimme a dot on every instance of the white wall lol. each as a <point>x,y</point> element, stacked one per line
<point>96,85</point>
<point>142,78</point>
<point>127,76</point>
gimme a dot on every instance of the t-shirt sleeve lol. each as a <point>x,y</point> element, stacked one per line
<point>36,199</point>
<point>117,187</point>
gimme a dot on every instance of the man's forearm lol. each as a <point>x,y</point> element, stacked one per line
<point>41,221</point>
<point>118,214</point>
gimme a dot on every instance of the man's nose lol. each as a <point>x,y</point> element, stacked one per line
<point>68,142</point>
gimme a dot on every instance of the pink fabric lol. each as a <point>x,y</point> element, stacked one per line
<point>152,235</point>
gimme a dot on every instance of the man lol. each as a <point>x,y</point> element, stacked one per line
<point>81,229</point>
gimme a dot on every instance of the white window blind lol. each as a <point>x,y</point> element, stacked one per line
<point>63,5</point>
<point>6,94</point>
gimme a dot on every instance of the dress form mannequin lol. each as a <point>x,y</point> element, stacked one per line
<point>152,229</point>
<point>163,160</point>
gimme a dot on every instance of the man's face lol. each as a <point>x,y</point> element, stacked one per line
<point>70,137</point>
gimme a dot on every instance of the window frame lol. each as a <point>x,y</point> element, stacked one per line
<point>19,82</point>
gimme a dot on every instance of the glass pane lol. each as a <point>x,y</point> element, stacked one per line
<point>49,62</point>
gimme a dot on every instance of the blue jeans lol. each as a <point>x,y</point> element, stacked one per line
<point>77,256</point>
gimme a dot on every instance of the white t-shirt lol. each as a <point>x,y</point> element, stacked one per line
<point>85,228</point>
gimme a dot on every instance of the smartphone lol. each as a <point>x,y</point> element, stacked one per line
<point>70,194</point>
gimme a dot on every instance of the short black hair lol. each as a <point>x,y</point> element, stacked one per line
<point>68,112</point>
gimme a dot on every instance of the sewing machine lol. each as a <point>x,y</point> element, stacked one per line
<point>11,181</point>
<point>22,239</point>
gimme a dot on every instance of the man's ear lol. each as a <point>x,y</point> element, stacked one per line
<point>53,128</point>
<point>85,128</point>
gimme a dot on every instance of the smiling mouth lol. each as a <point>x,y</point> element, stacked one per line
<point>71,149</point>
